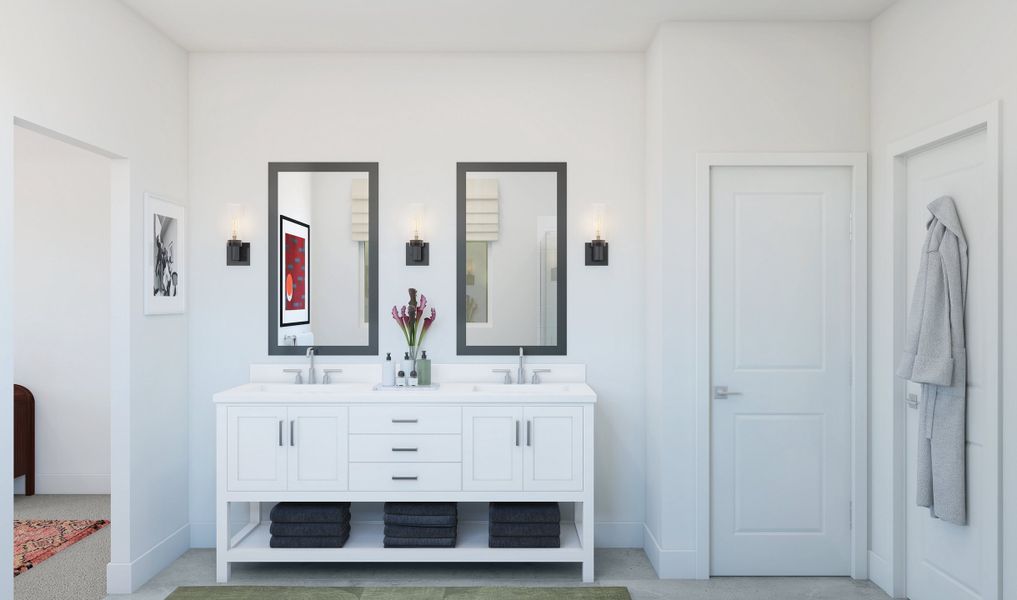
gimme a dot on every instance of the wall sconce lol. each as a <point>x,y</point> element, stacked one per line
<point>238,252</point>
<point>596,250</point>
<point>418,252</point>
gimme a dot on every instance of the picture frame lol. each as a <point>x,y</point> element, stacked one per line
<point>294,272</point>
<point>165,239</point>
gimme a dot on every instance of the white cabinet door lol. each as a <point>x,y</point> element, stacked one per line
<point>492,439</point>
<point>317,448</point>
<point>256,454</point>
<point>553,450</point>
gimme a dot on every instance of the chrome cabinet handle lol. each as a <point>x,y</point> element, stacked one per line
<point>293,438</point>
<point>404,478</point>
<point>720,392</point>
<point>912,400</point>
<point>404,449</point>
<point>517,432</point>
<point>280,432</point>
<point>529,441</point>
<point>404,420</point>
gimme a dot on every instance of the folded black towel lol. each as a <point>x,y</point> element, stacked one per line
<point>422,520</point>
<point>310,529</point>
<point>402,542</point>
<point>421,508</point>
<point>525,512</point>
<point>524,542</point>
<point>409,531</point>
<point>524,529</point>
<point>310,512</point>
<point>307,542</point>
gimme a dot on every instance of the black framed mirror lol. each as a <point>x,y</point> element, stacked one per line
<point>511,258</point>
<point>326,294</point>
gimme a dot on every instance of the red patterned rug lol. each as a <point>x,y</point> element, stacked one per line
<point>37,540</point>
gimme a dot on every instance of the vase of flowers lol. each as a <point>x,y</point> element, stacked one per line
<point>414,324</point>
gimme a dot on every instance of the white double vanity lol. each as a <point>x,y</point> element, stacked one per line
<point>347,441</point>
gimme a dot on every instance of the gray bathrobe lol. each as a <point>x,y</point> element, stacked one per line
<point>935,357</point>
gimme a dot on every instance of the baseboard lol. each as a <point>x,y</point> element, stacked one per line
<point>606,535</point>
<point>72,483</point>
<point>125,578</point>
<point>880,573</point>
<point>669,564</point>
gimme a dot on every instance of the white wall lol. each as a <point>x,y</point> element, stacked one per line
<point>721,87</point>
<point>61,308</point>
<point>98,73</point>
<point>417,115</point>
<point>932,61</point>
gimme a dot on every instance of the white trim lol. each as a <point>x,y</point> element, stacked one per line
<point>125,578</point>
<point>72,483</point>
<point>858,162</point>
<point>880,572</point>
<point>984,118</point>
<point>669,564</point>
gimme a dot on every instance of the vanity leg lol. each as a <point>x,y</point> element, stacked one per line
<point>222,542</point>
<point>587,537</point>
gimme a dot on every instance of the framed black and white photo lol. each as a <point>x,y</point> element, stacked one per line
<point>165,265</point>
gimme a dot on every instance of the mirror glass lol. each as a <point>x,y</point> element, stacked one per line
<point>323,280</point>
<point>511,235</point>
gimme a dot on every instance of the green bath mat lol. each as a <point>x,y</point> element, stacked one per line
<point>398,593</point>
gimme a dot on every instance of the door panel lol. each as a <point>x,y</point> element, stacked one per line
<point>781,341</point>
<point>492,457</point>
<point>255,453</point>
<point>946,561</point>
<point>317,448</point>
<point>553,454</point>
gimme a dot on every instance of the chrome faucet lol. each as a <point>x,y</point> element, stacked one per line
<point>310,371</point>
<point>521,372</point>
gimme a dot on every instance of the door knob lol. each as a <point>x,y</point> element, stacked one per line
<point>720,392</point>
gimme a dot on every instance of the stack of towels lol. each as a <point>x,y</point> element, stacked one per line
<point>524,525</point>
<point>420,524</point>
<point>310,525</point>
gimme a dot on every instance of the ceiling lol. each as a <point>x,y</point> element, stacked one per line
<point>460,25</point>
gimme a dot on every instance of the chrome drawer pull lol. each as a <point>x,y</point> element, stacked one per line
<point>404,420</point>
<point>404,449</point>
<point>404,478</point>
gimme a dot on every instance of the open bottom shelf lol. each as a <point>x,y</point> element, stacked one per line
<point>366,539</point>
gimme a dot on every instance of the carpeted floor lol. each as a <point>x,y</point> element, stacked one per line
<point>79,571</point>
<point>400,593</point>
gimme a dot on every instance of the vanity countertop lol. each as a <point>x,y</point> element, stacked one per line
<point>445,393</point>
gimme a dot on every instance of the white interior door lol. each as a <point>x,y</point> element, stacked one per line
<point>781,341</point>
<point>945,561</point>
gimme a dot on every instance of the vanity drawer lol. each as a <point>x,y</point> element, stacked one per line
<point>406,419</point>
<point>405,477</point>
<point>400,447</point>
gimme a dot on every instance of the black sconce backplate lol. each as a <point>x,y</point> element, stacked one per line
<point>418,253</point>
<point>238,253</point>
<point>596,253</point>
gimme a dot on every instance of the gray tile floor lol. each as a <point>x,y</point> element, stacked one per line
<point>79,571</point>
<point>615,567</point>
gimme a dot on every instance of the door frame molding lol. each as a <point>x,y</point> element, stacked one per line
<point>985,118</point>
<point>858,163</point>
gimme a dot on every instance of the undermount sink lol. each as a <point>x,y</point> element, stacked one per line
<point>312,388</point>
<point>526,388</point>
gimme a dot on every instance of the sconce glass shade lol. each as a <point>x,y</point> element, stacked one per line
<point>238,252</point>
<point>236,216</point>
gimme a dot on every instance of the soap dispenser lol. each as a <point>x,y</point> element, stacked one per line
<point>388,371</point>
<point>424,369</point>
